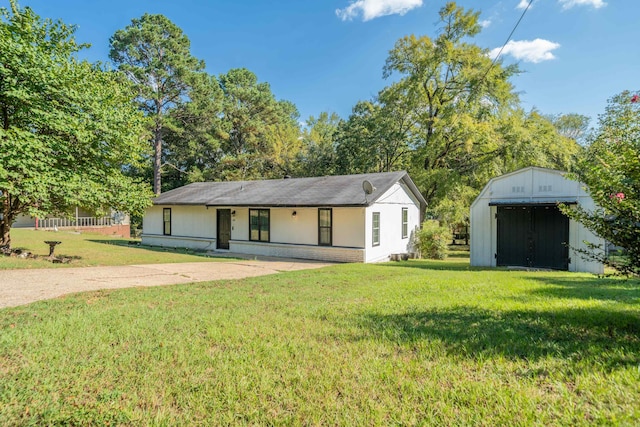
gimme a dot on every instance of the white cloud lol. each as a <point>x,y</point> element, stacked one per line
<point>535,51</point>
<point>568,4</point>
<point>485,23</point>
<point>371,9</point>
<point>523,4</point>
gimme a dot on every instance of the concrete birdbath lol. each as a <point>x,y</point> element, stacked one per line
<point>52,246</point>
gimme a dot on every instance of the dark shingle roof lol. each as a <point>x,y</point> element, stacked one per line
<point>343,190</point>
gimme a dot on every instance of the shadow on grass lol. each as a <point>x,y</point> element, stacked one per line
<point>427,264</point>
<point>612,337</point>
<point>458,255</point>
<point>610,289</point>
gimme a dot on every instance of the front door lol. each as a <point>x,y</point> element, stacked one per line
<point>224,228</point>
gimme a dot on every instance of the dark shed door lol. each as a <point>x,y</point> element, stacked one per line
<point>224,228</point>
<point>550,238</point>
<point>533,236</point>
<point>513,235</point>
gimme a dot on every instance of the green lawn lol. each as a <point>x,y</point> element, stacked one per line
<point>405,343</point>
<point>86,249</point>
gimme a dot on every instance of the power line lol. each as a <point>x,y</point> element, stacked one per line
<point>493,63</point>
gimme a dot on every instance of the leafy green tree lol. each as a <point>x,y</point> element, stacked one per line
<point>573,126</point>
<point>192,148</point>
<point>155,54</point>
<point>68,128</point>
<point>531,139</point>
<point>357,139</point>
<point>377,137</point>
<point>318,156</point>
<point>611,172</point>
<point>456,92</point>
<point>249,109</point>
<point>284,142</point>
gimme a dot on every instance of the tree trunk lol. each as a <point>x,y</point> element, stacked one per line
<point>157,159</point>
<point>5,228</point>
<point>5,222</point>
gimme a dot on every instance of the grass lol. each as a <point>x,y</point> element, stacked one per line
<point>90,250</point>
<point>409,343</point>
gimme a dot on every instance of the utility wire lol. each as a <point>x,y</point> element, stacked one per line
<point>493,63</point>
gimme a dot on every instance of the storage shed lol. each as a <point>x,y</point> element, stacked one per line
<point>515,221</point>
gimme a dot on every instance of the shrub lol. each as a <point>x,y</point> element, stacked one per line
<point>432,240</point>
<point>611,171</point>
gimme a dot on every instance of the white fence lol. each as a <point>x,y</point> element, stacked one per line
<point>83,221</point>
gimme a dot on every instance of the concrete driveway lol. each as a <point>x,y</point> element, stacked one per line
<point>18,287</point>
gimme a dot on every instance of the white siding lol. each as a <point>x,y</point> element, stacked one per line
<point>23,221</point>
<point>532,185</point>
<point>577,237</point>
<point>390,205</point>
<point>191,227</point>
<point>301,229</point>
<point>296,235</point>
<point>240,224</point>
<point>348,227</point>
<point>152,220</point>
<point>481,236</point>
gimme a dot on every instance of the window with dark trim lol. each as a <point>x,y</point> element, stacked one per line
<point>166,221</point>
<point>259,225</point>
<point>405,223</point>
<point>375,228</point>
<point>325,226</point>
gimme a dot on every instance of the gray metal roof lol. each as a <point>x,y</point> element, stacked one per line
<point>342,190</point>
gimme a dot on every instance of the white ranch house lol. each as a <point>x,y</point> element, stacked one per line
<point>327,218</point>
<point>515,221</point>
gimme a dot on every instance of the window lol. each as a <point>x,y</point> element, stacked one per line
<point>166,221</point>
<point>376,229</point>
<point>405,223</point>
<point>325,221</point>
<point>259,225</point>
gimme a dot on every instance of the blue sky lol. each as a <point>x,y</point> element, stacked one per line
<point>327,55</point>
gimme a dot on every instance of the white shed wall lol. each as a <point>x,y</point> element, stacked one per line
<point>482,230</point>
<point>578,234</point>
<point>533,185</point>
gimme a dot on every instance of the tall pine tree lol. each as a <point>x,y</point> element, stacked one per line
<point>155,55</point>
